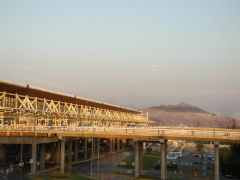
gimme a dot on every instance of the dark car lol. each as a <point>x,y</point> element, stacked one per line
<point>171,164</point>
<point>196,154</point>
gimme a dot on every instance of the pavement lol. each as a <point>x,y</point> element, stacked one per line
<point>14,176</point>
<point>105,168</point>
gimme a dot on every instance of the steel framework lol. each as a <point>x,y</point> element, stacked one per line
<point>23,110</point>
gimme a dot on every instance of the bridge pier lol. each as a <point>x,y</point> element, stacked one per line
<point>76,151</point>
<point>113,145</point>
<point>85,150</point>
<point>62,163</point>
<point>123,144</point>
<point>138,158</point>
<point>93,147</point>
<point>69,164</point>
<point>58,152</point>
<point>163,159</point>
<point>42,156</point>
<point>97,142</point>
<point>110,145</point>
<point>34,156</point>
<point>118,144</point>
<point>216,161</point>
<point>3,153</point>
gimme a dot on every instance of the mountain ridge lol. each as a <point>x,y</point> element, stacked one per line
<point>181,107</point>
<point>184,114</point>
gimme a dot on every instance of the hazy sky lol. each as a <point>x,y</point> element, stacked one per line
<point>133,53</point>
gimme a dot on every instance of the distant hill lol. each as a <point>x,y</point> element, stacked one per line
<point>182,107</point>
<point>186,115</point>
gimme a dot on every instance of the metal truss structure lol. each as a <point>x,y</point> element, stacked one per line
<point>23,110</point>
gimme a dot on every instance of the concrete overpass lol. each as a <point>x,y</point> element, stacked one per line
<point>34,116</point>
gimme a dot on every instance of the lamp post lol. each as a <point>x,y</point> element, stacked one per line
<point>21,155</point>
<point>92,151</point>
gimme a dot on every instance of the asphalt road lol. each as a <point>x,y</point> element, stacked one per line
<point>13,176</point>
<point>103,168</point>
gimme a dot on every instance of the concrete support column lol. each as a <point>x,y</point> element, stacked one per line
<point>123,144</point>
<point>34,156</point>
<point>76,151</point>
<point>62,164</point>
<point>42,156</point>
<point>113,144</point>
<point>216,161</point>
<point>144,146</point>
<point>58,152</point>
<point>163,159</point>
<point>85,147</point>
<point>131,143</point>
<point>93,147</point>
<point>138,158</point>
<point>69,164</point>
<point>97,141</point>
<point>118,144</point>
<point>110,145</point>
<point>3,153</point>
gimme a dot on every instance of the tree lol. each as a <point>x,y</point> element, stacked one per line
<point>199,146</point>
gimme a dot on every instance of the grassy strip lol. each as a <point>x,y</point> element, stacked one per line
<point>130,176</point>
<point>153,153</point>
<point>72,176</point>
<point>148,161</point>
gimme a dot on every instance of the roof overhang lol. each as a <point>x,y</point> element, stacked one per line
<point>33,91</point>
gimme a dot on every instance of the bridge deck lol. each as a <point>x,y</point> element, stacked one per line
<point>146,133</point>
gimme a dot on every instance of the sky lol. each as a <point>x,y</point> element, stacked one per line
<point>134,53</point>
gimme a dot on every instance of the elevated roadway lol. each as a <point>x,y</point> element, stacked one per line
<point>141,133</point>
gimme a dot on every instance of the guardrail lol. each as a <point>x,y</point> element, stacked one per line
<point>133,132</point>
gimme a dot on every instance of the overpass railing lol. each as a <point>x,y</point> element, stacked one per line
<point>133,132</point>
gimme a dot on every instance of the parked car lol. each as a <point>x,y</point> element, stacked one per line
<point>196,154</point>
<point>211,155</point>
<point>171,164</point>
<point>179,154</point>
<point>172,155</point>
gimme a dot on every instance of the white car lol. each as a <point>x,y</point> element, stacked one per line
<point>179,154</point>
<point>172,156</point>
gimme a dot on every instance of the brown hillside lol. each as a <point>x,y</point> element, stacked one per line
<point>185,115</point>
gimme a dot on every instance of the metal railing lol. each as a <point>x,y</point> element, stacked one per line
<point>140,132</point>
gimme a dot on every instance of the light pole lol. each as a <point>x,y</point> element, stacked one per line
<point>21,156</point>
<point>92,151</point>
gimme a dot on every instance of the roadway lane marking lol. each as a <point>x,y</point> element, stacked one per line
<point>81,161</point>
<point>57,167</point>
